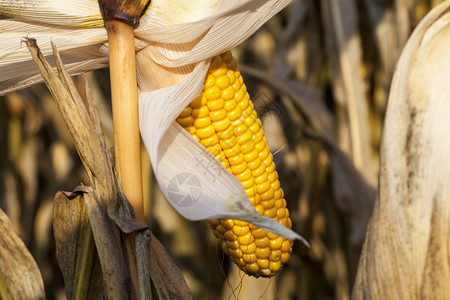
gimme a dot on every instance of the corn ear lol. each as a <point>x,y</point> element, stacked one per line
<point>223,120</point>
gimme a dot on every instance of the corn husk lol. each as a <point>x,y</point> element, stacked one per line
<point>406,251</point>
<point>175,41</point>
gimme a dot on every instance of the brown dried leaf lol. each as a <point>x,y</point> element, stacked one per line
<point>75,249</point>
<point>166,276</point>
<point>19,274</point>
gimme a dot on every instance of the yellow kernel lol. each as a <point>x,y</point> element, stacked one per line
<point>261,179</point>
<point>244,105</point>
<point>267,196</point>
<point>239,168</point>
<point>246,137</point>
<point>275,255</point>
<point>268,161</point>
<point>228,143</point>
<point>228,93</point>
<point>277,196</point>
<point>222,70</point>
<point>206,132</point>
<point>254,128</point>
<point>248,249</point>
<point>200,112</point>
<point>285,222</point>
<point>229,235</point>
<point>249,258</point>
<point>253,268</point>
<point>281,213</point>
<point>249,120</point>
<point>259,209</point>
<point>243,176</point>
<point>240,230</point>
<point>191,129</point>
<point>214,105</point>
<point>236,85</point>
<point>259,233</point>
<point>239,95</point>
<point>272,235</point>
<point>248,184</point>
<point>240,130</point>
<point>223,82</point>
<point>199,101</point>
<point>253,165</point>
<point>241,80</point>
<point>236,253</point>
<point>284,258</point>
<point>186,121</point>
<point>286,246</point>
<point>233,244</point>
<point>276,184</point>
<point>232,152</point>
<point>251,191</point>
<point>271,168</point>
<point>266,272</point>
<point>218,115</point>
<point>239,121</point>
<point>221,125</point>
<point>228,224</point>
<point>275,266</point>
<point>271,213</point>
<point>262,252</point>
<point>212,93</point>
<point>263,154</point>
<point>263,187</point>
<point>214,222</point>
<point>258,171</point>
<point>226,134</point>
<point>257,137</point>
<point>262,242</point>
<point>186,112</point>
<point>263,263</point>
<point>235,113</point>
<point>214,140</point>
<point>214,149</point>
<point>231,76</point>
<point>247,147</point>
<point>246,239</point>
<point>241,262</point>
<point>230,105</point>
<point>268,204</point>
<point>251,156</point>
<point>237,159</point>
<point>202,122</point>
<point>276,244</point>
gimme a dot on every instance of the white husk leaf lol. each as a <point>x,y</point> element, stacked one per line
<point>73,13</point>
<point>412,214</point>
<point>213,192</point>
<point>176,40</point>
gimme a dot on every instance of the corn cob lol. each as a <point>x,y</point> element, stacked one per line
<point>222,119</point>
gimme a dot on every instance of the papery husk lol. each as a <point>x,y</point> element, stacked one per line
<point>406,251</point>
<point>214,192</point>
<point>175,43</point>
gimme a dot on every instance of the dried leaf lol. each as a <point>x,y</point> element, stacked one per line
<point>165,274</point>
<point>406,251</point>
<point>19,274</point>
<point>75,249</point>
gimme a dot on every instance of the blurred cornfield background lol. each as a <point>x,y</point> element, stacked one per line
<point>319,73</point>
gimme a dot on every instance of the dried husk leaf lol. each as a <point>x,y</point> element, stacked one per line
<point>406,251</point>
<point>19,274</point>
